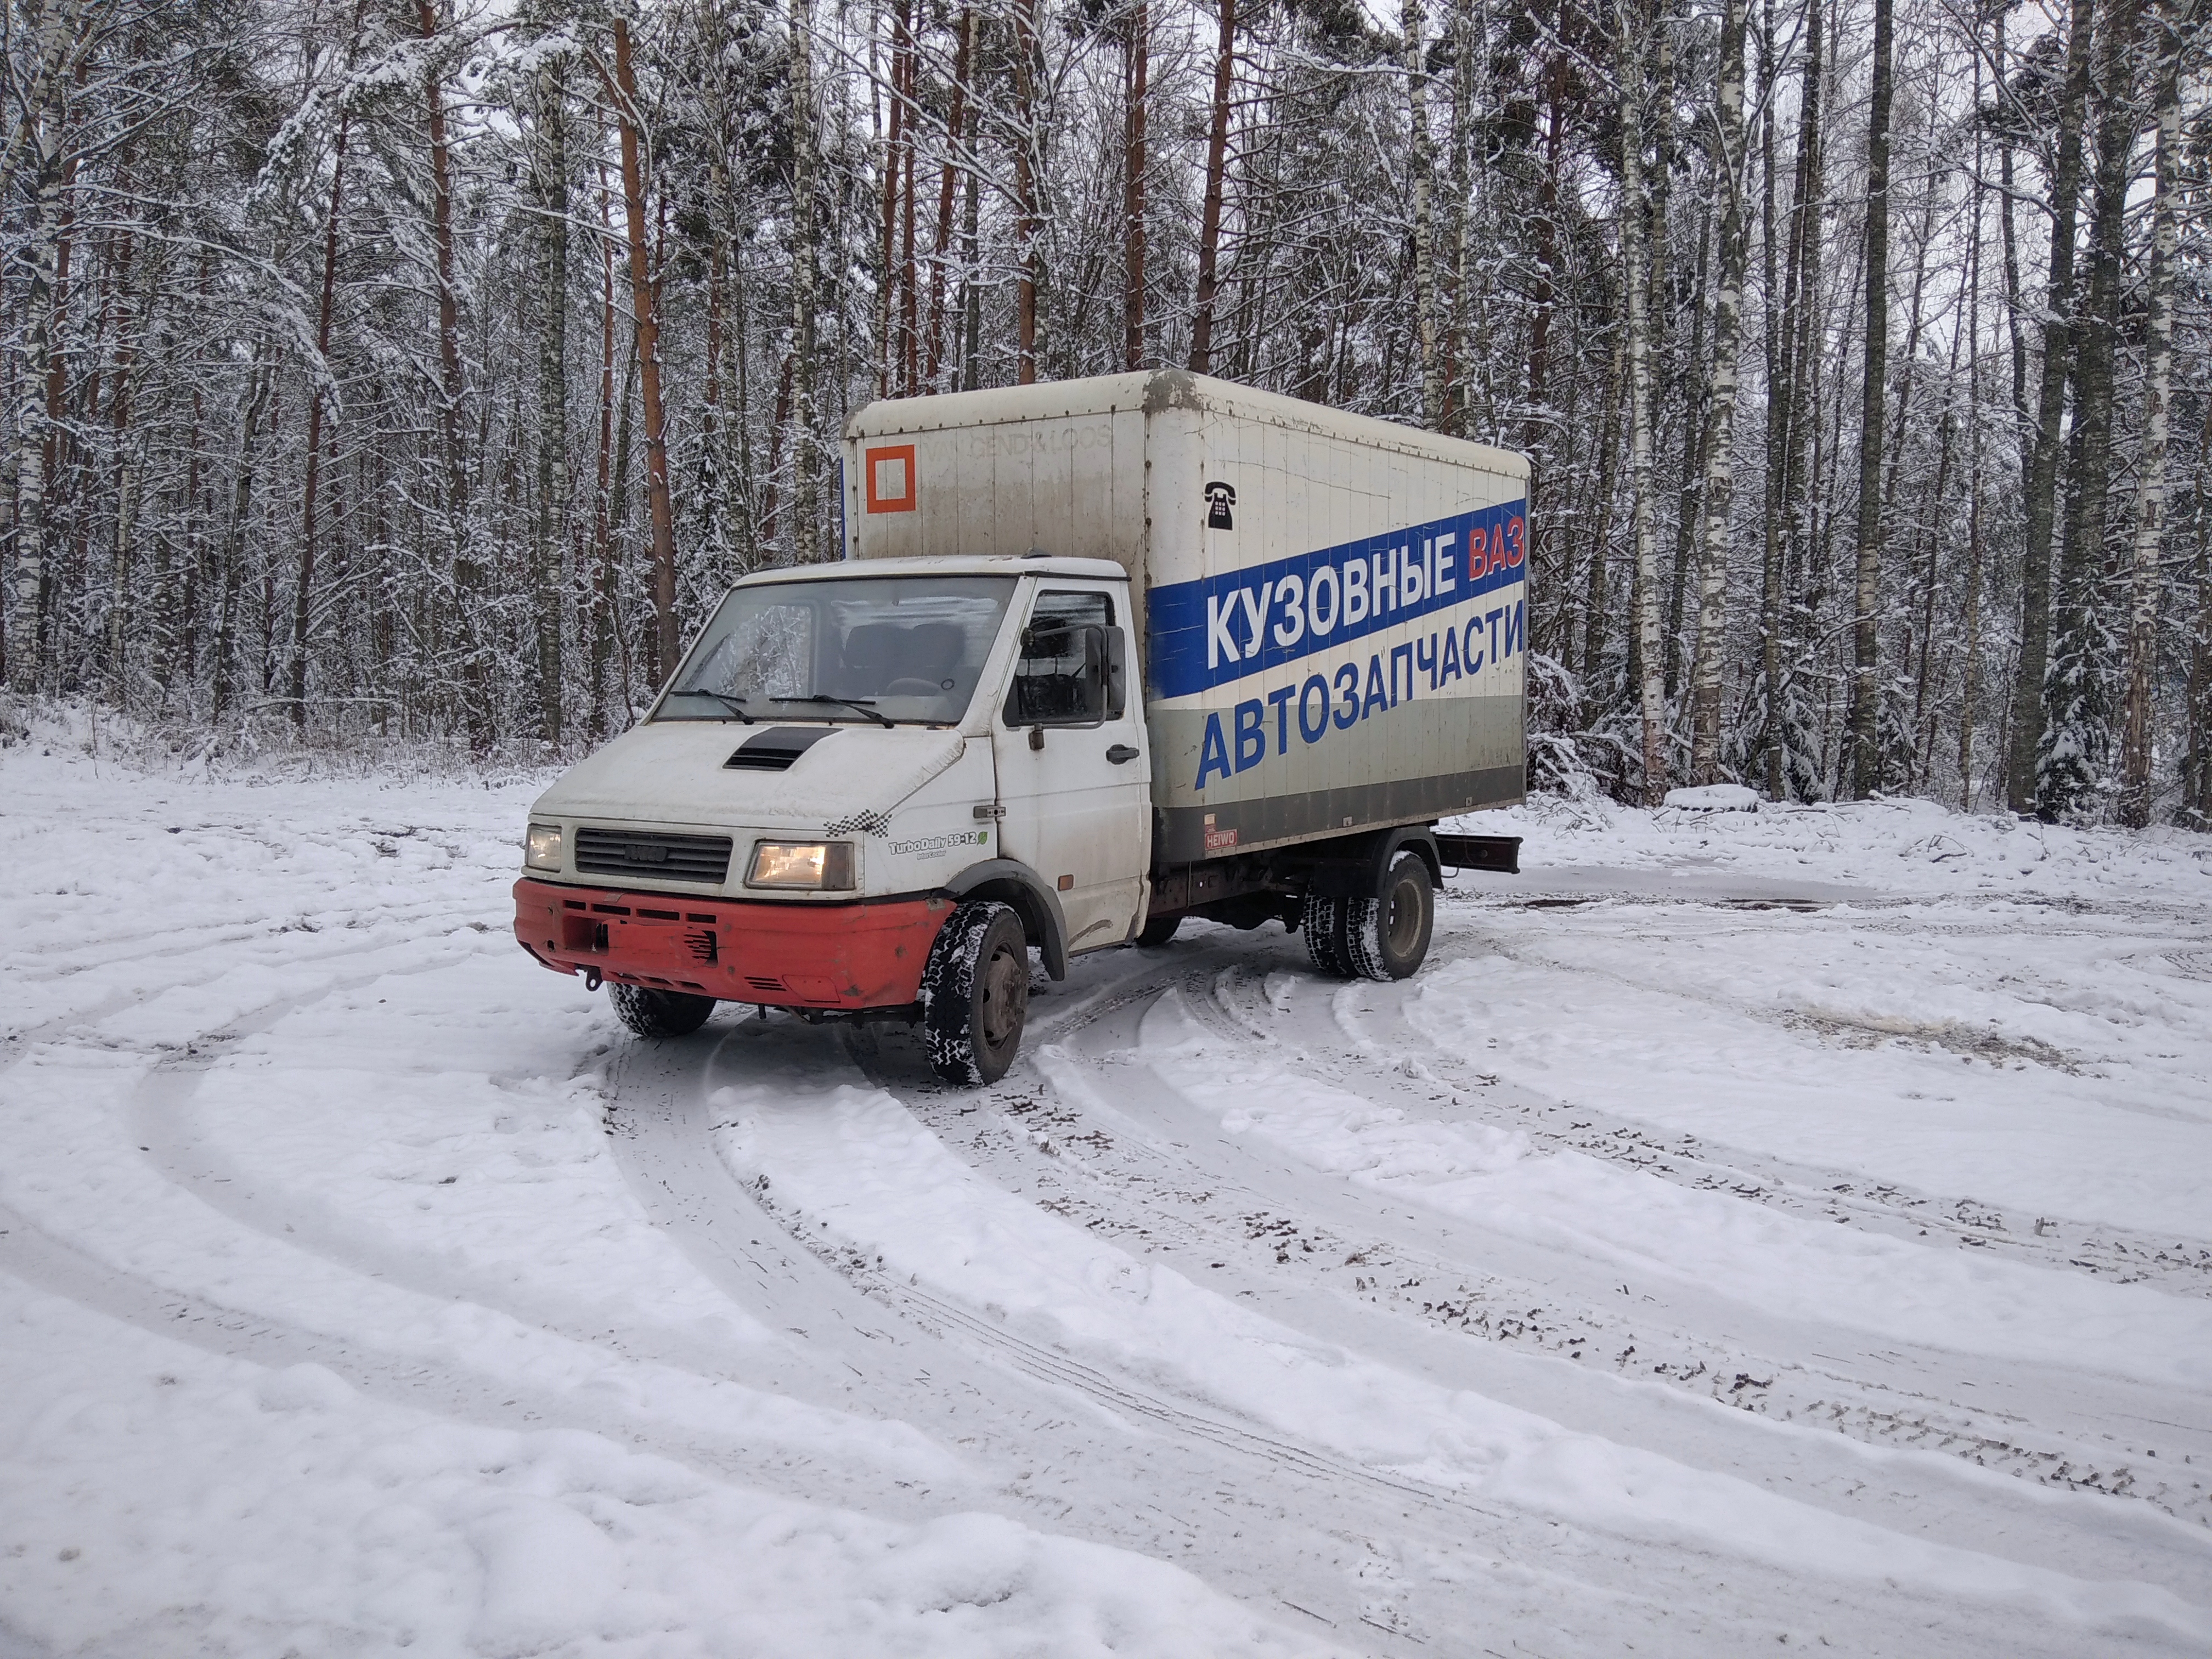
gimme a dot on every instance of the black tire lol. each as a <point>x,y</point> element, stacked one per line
<point>652,1013</point>
<point>976,994</point>
<point>1322,921</point>
<point>1158,930</point>
<point>1387,937</point>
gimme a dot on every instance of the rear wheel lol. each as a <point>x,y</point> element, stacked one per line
<point>1387,937</point>
<point>1322,921</point>
<point>976,994</point>
<point>1158,930</point>
<point>658,1013</point>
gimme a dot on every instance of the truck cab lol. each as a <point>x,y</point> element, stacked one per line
<point>849,759</point>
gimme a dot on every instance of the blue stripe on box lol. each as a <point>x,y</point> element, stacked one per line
<point>1223,628</point>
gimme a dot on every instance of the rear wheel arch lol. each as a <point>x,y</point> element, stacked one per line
<point>1412,838</point>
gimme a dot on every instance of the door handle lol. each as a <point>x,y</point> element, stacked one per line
<point>1121,754</point>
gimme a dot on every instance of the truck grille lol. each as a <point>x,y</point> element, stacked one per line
<point>649,852</point>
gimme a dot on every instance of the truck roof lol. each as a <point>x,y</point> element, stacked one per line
<point>1155,390</point>
<point>1038,562</point>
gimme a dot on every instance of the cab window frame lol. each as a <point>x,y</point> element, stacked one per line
<point>1107,651</point>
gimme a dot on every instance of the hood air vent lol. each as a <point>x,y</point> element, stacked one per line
<point>776,749</point>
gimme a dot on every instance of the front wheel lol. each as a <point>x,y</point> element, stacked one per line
<point>976,994</point>
<point>1387,937</point>
<point>658,1013</point>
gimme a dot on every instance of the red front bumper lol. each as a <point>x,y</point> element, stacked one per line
<point>866,954</point>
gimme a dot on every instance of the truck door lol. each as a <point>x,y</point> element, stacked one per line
<point>1073,780</point>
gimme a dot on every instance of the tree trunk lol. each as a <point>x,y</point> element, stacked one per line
<point>2151,460</point>
<point>2015,325</point>
<point>1465,54</point>
<point>39,261</point>
<point>909,284</point>
<point>1798,393</point>
<point>2027,716</point>
<point>57,36</point>
<point>1421,163</point>
<point>441,232</point>
<point>1217,181</point>
<point>550,557</point>
<point>1777,417</point>
<point>469,577</point>
<point>1027,220</point>
<point>1137,74</point>
<point>2075,741</point>
<point>1634,206</point>
<point>645,316</point>
<point>957,143</point>
<point>1866,767</point>
<point>2196,766</point>
<point>894,154</point>
<point>971,286</point>
<point>1596,600</point>
<point>1970,625</point>
<point>260,382</point>
<point>303,592</point>
<point>1720,445</point>
<point>1537,429</point>
<point>129,472</point>
<point>596,591</point>
<point>739,443</point>
<point>1695,433</point>
<point>804,539</point>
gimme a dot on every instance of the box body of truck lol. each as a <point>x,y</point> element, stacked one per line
<point>1100,656</point>
<point>1330,609</point>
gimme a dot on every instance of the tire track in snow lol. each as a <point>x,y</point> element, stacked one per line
<point>1144,1189</point>
<point>1006,1401</point>
<point>459,1394</point>
<point>2116,1254</point>
<point>402,1366</point>
<point>2040,1431</point>
<point>167,1128</point>
<point>1057,1444</point>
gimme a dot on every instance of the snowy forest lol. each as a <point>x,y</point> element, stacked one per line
<point>424,369</point>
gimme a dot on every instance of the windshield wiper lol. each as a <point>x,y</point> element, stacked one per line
<point>735,705</point>
<point>861,704</point>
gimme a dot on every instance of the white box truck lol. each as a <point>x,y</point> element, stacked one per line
<point>1100,655</point>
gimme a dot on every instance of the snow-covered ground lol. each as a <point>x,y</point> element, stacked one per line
<point>1751,1231</point>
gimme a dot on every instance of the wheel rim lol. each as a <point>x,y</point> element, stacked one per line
<point>1005,987</point>
<point>1404,932</point>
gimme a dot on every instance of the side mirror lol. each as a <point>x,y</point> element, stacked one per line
<point>1116,645</point>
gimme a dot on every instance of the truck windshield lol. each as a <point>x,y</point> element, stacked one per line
<point>861,648</point>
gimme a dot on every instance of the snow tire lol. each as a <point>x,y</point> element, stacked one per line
<point>652,1013</point>
<point>1322,921</point>
<point>976,994</point>
<point>1387,937</point>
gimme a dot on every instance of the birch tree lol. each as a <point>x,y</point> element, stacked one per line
<point>1721,397</point>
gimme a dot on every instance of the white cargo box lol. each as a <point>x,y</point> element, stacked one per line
<point>1331,609</point>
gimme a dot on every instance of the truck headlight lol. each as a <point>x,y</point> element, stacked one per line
<point>814,864</point>
<point>542,851</point>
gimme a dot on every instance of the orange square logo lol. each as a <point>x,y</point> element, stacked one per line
<point>890,479</point>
